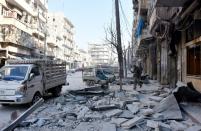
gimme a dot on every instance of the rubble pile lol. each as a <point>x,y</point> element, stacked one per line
<point>110,110</point>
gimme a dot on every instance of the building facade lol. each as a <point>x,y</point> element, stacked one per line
<point>173,49</point>
<point>22,25</point>
<point>101,54</point>
<point>60,38</point>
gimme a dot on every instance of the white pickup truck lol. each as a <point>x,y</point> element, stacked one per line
<point>27,81</point>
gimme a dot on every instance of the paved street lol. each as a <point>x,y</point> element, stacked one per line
<point>75,81</point>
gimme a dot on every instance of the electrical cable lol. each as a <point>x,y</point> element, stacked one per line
<point>126,22</point>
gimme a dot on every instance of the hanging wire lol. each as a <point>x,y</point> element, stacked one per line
<point>126,22</point>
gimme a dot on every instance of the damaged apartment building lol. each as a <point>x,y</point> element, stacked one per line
<point>168,40</point>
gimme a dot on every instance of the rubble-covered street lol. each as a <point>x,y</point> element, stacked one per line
<point>151,107</point>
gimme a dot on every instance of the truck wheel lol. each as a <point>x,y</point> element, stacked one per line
<point>36,98</point>
<point>56,92</point>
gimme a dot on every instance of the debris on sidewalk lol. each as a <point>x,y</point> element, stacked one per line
<point>96,109</point>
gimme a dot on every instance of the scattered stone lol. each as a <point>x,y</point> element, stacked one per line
<point>126,114</point>
<point>130,123</point>
<point>41,122</point>
<point>104,107</point>
<point>152,124</point>
<point>158,116</point>
<point>118,121</point>
<point>82,112</point>
<point>95,98</point>
<point>61,122</point>
<point>164,95</point>
<point>129,100</point>
<point>158,125</point>
<point>95,126</point>
<point>147,112</point>
<point>177,126</point>
<point>194,128</point>
<point>156,98</point>
<point>59,106</point>
<point>134,108</point>
<point>113,113</point>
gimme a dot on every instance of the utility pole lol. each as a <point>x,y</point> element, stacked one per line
<point>119,46</point>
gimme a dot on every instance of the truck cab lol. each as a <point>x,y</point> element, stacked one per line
<point>20,84</point>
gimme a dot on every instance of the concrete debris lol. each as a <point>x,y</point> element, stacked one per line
<point>147,112</point>
<point>156,98</point>
<point>95,126</point>
<point>149,108</point>
<point>134,108</point>
<point>194,128</point>
<point>177,126</point>
<point>169,108</point>
<point>118,121</point>
<point>82,112</point>
<point>113,113</point>
<point>130,123</point>
<point>193,110</point>
<point>104,107</point>
<point>126,114</point>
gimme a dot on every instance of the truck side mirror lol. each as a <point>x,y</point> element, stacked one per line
<point>31,76</point>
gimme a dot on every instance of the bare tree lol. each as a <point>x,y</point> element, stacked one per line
<point>111,39</point>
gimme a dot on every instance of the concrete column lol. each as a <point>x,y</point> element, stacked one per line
<point>184,57</point>
<point>153,60</point>
<point>164,63</point>
<point>158,60</point>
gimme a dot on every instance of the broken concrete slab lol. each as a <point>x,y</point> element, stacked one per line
<point>157,125</point>
<point>156,98</point>
<point>193,110</point>
<point>104,107</point>
<point>126,114</point>
<point>82,112</point>
<point>194,128</point>
<point>147,112</point>
<point>169,108</point>
<point>177,126</point>
<point>118,121</point>
<point>95,126</point>
<point>134,108</point>
<point>113,113</point>
<point>131,123</point>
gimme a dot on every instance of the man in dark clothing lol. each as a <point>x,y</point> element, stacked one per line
<point>137,72</point>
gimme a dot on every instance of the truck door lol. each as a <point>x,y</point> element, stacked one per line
<point>35,83</point>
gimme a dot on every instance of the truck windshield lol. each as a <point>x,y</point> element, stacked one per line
<point>11,73</point>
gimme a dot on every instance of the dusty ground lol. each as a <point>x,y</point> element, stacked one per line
<point>151,107</point>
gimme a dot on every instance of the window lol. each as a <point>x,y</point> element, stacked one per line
<point>36,71</point>
<point>194,60</point>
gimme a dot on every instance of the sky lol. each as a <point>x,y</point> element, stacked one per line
<point>90,17</point>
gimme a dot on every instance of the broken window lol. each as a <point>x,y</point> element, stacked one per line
<point>194,60</point>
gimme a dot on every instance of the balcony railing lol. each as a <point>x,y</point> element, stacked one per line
<point>14,35</point>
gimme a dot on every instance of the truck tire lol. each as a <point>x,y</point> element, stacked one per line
<point>56,92</point>
<point>36,98</point>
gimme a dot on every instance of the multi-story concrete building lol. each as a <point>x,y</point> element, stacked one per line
<point>173,52</point>
<point>22,25</point>
<point>60,37</point>
<point>100,54</point>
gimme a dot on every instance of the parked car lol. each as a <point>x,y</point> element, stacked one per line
<point>94,75</point>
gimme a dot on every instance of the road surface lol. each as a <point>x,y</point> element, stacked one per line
<point>75,81</point>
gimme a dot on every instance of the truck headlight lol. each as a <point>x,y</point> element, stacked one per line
<point>21,90</point>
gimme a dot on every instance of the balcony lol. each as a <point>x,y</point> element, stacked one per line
<point>22,4</point>
<point>16,36</point>
<point>18,24</point>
